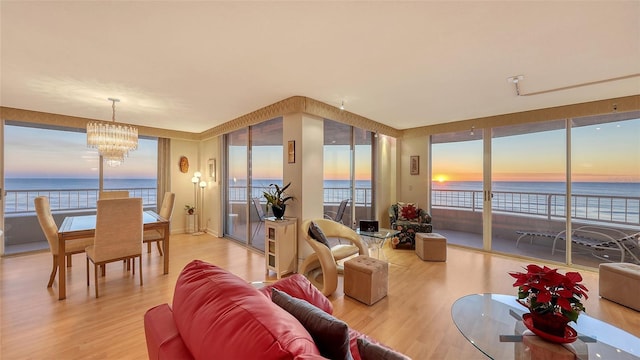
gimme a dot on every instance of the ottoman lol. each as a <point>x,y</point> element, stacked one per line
<point>431,246</point>
<point>620,282</point>
<point>366,279</point>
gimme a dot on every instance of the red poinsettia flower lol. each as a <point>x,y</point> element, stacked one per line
<point>545,290</point>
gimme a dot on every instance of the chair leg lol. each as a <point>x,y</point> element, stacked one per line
<point>54,270</point>
<point>87,271</point>
<point>148,247</point>
<point>95,272</point>
<point>69,260</point>
<point>140,262</point>
<point>159,248</point>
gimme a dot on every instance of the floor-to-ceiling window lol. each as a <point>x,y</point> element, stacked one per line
<point>456,195</point>
<point>42,160</point>
<point>348,159</point>
<point>532,167</point>
<point>254,160</point>
<point>605,188</point>
<point>528,186</point>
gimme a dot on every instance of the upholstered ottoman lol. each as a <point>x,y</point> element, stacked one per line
<point>366,279</point>
<point>431,246</point>
<point>620,282</point>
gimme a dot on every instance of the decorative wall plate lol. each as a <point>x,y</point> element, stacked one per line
<point>184,164</point>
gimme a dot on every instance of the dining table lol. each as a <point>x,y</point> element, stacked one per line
<point>83,226</point>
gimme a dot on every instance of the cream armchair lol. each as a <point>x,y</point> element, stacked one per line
<point>321,267</point>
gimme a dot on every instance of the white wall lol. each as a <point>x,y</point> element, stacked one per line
<point>181,183</point>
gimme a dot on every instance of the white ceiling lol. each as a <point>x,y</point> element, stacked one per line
<point>190,66</point>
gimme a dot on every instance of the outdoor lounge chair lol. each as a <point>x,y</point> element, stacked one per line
<point>604,243</point>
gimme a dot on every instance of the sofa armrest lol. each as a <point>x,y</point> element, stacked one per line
<point>163,338</point>
<point>424,217</point>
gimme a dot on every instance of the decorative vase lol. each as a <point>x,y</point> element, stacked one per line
<point>550,323</point>
<point>278,212</point>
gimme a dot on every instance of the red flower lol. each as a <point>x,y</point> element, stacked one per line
<point>546,290</point>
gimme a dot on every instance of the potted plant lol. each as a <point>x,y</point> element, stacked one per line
<point>190,209</point>
<point>277,199</point>
<point>553,299</point>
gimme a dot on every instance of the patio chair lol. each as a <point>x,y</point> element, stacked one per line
<point>321,267</point>
<point>606,244</point>
<point>337,215</point>
<point>261,216</point>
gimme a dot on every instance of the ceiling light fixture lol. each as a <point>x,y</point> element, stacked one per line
<point>113,140</point>
<point>342,105</point>
<point>472,132</point>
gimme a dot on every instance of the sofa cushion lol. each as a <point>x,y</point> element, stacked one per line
<point>330,334</point>
<point>216,312</point>
<point>371,351</point>
<point>300,287</point>
<point>407,211</point>
<point>316,233</point>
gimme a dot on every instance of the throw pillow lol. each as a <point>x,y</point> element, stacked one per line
<point>371,351</point>
<point>331,335</point>
<point>317,234</point>
<point>407,211</point>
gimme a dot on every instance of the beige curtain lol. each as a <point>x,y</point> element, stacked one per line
<point>164,169</point>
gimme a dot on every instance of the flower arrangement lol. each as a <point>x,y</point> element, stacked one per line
<point>546,291</point>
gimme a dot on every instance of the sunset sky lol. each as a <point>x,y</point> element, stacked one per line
<point>604,153</point>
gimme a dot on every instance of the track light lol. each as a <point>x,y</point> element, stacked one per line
<point>342,105</point>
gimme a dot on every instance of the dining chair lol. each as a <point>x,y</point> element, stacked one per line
<point>166,211</point>
<point>337,215</point>
<point>50,229</point>
<point>113,194</point>
<point>118,235</point>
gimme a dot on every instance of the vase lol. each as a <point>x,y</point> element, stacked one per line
<point>550,323</point>
<point>278,212</point>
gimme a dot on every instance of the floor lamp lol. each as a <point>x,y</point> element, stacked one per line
<point>196,180</point>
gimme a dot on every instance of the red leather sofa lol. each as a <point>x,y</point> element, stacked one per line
<point>217,315</point>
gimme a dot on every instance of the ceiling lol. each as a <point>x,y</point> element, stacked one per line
<point>190,66</point>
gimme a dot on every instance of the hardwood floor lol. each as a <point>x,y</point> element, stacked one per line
<point>414,318</point>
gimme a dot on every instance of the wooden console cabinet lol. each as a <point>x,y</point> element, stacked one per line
<point>281,246</point>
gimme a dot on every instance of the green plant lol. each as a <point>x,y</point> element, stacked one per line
<point>276,195</point>
<point>545,290</point>
<point>190,209</point>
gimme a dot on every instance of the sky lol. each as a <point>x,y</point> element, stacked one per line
<point>33,152</point>
<point>603,153</point>
<point>600,153</point>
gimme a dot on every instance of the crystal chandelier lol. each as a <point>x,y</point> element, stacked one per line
<point>113,140</point>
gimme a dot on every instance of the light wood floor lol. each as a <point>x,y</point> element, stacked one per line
<point>414,318</point>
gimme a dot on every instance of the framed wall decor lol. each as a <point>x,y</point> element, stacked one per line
<point>292,151</point>
<point>414,165</point>
<point>211,164</point>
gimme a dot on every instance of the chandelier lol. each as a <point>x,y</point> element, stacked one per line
<point>113,140</point>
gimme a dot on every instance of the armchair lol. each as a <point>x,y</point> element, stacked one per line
<point>409,220</point>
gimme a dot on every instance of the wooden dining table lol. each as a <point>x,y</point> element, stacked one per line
<point>76,227</point>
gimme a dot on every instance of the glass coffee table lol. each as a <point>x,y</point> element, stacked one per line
<point>493,324</point>
<point>375,240</point>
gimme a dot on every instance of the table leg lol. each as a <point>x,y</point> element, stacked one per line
<point>165,248</point>
<point>62,269</point>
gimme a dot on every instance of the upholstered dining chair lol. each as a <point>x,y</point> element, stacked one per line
<point>118,235</point>
<point>157,235</point>
<point>50,229</point>
<point>113,194</point>
<point>321,267</point>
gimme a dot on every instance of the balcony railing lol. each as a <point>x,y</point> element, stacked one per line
<point>600,208</point>
<point>21,201</point>
<point>332,196</point>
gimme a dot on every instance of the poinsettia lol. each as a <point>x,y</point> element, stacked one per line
<point>545,290</point>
